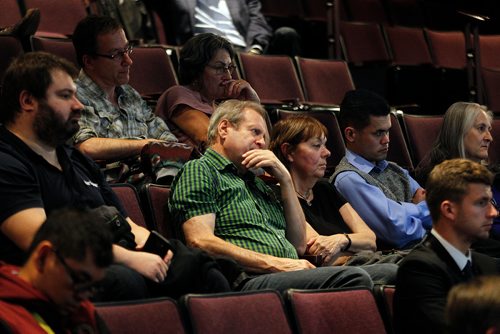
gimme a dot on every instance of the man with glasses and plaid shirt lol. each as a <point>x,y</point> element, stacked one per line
<point>116,122</point>
<point>50,291</point>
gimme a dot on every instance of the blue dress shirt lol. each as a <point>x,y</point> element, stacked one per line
<point>398,224</point>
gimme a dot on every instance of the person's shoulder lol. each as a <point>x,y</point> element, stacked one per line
<point>130,91</point>
<point>487,263</point>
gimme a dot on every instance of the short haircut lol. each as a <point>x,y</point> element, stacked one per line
<point>72,231</point>
<point>232,110</point>
<point>357,107</point>
<point>86,32</point>
<point>31,72</point>
<point>473,307</point>
<point>450,180</point>
<point>457,121</point>
<point>197,52</point>
<point>294,130</point>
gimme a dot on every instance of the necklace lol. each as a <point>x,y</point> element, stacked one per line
<point>306,197</point>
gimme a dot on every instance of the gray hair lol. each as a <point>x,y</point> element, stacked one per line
<point>457,121</point>
<point>232,111</point>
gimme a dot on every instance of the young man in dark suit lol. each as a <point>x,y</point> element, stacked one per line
<point>459,199</point>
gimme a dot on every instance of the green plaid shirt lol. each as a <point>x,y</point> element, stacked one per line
<point>247,212</point>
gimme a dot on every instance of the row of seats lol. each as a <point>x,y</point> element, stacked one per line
<point>407,65</point>
<point>305,311</point>
<point>419,13</point>
<point>349,311</point>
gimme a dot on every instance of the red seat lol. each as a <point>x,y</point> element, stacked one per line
<point>148,316</point>
<point>152,71</point>
<point>421,131</point>
<point>398,148</point>
<point>240,312</point>
<point>58,18</point>
<point>156,200</point>
<point>324,81</point>
<point>491,82</point>
<point>385,298</point>
<point>62,47</point>
<point>274,78</point>
<point>336,311</point>
<point>130,201</point>
<point>10,13</point>
<point>490,49</point>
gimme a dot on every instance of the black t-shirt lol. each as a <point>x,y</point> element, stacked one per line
<point>323,213</point>
<point>28,181</point>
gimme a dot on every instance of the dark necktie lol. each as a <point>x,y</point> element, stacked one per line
<point>467,271</point>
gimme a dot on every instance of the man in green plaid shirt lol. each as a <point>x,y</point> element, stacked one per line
<point>226,210</point>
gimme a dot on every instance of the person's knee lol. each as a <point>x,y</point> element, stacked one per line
<point>353,277</point>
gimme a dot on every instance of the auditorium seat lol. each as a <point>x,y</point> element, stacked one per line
<point>491,83</point>
<point>58,18</point>
<point>346,311</point>
<point>62,47</point>
<point>130,200</point>
<point>421,133</point>
<point>412,79</point>
<point>384,295</point>
<point>274,78</point>
<point>237,312</point>
<point>152,71</point>
<point>324,81</point>
<point>490,50</point>
<point>148,316</point>
<point>155,199</point>
<point>10,13</point>
<point>367,55</point>
<point>448,53</point>
<point>398,148</point>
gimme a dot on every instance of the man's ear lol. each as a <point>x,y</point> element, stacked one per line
<point>448,210</point>
<point>87,61</point>
<point>41,253</point>
<point>222,128</point>
<point>350,134</point>
<point>27,101</point>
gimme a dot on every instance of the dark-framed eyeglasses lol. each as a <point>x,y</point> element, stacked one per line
<point>82,282</point>
<point>221,69</point>
<point>118,55</point>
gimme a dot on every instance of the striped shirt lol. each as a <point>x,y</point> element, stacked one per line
<point>132,118</point>
<point>214,16</point>
<point>247,212</point>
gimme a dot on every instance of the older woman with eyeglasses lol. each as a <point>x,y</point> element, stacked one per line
<point>335,231</point>
<point>206,70</point>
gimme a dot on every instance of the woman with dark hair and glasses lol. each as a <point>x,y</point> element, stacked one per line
<point>206,70</point>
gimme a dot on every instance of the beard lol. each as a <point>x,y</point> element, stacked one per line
<point>51,128</point>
